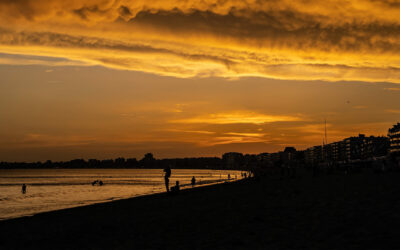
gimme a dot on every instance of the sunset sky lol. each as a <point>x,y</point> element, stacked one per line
<point>109,78</point>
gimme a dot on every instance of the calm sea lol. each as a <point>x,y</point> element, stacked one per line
<point>53,189</point>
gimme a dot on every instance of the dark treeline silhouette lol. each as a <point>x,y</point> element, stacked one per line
<point>148,161</point>
<point>233,161</point>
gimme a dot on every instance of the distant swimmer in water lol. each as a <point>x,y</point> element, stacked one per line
<point>167,171</point>
<point>193,181</point>
<point>23,188</point>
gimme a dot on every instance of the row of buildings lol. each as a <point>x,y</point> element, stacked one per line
<point>356,148</point>
<point>351,149</point>
<point>359,147</point>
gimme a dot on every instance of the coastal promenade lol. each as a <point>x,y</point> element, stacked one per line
<point>355,211</point>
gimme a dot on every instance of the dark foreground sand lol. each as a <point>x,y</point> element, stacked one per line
<point>358,211</point>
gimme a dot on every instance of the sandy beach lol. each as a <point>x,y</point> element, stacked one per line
<point>356,211</point>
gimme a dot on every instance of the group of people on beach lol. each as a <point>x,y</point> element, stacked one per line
<point>97,182</point>
<point>175,188</point>
<point>167,175</point>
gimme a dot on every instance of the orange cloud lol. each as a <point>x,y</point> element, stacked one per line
<point>392,89</point>
<point>46,140</point>
<point>394,111</point>
<point>245,134</point>
<point>332,40</point>
<point>237,118</point>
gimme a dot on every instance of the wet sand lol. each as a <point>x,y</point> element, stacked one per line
<point>357,211</point>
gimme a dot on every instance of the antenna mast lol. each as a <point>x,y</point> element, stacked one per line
<point>326,135</point>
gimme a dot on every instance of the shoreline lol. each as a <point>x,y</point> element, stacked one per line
<point>68,189</point>
<point>327,212</point>
<point>183,187</point>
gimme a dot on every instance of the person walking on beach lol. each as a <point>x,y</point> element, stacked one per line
<point>23,188</point>
<point>193,181</point>
<point>167,171</point>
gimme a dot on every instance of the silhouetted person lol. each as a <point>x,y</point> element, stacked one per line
<point>23,188</point>
<point>193,181</point>
<point>101,183</point>
<point>175,188</point>
<point>167,171</point>
<point>94,183</point>
<point>229,176</point>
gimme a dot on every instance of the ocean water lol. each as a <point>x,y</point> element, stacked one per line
<point>54,189</point>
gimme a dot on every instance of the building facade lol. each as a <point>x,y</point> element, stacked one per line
<point>353,148</point>
<point>394,139</point>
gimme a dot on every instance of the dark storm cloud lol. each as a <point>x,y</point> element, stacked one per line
<point>283,29</point>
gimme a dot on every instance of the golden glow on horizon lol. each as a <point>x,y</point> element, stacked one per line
<point>237,117</point>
